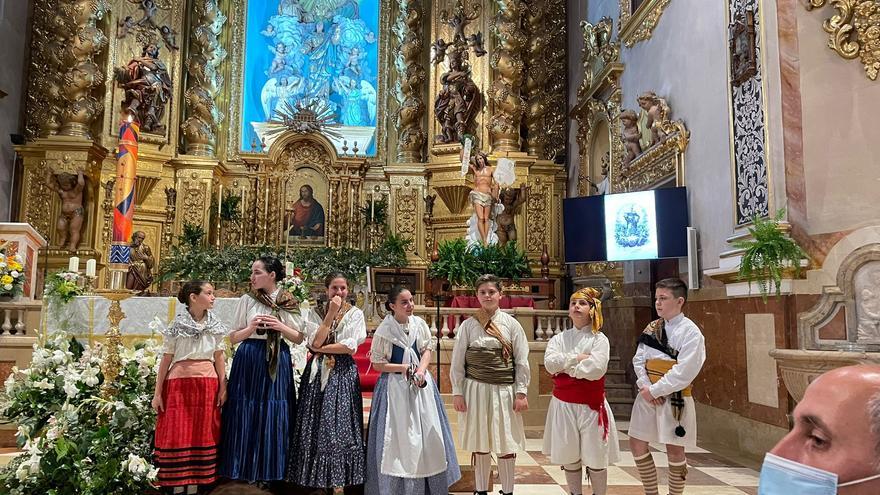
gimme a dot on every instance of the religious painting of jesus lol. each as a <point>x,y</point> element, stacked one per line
<point>305,218</point>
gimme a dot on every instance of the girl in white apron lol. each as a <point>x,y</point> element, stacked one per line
<point>409,444</point>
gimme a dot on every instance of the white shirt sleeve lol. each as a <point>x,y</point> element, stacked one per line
<point>380,350</point>
<point>169,344</point>
<point>520,357</point>
<point>556,360</point>
<point>310,323</point>
<point>691,357</point>
<point>354,332</point>
<point>639,360</point>
<point>240,319</point>
<point>291,319</point>
<point>456,366</point>
<point>424,340</point>
<point>595,366</point>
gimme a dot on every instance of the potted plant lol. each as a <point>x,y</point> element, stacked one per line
<point>460,264</point>
<point>769,254</point>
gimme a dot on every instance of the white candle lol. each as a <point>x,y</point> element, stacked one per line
<point>289,268</point>
<point>73,264</point>
<point>372,209</point>
<point>369,282</point>
<point>91,266</point>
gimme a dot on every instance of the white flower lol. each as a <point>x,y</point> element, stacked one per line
<point>19,259</point>
<point>23,471</point>
<point>135,465</point>
<point>71,389</point>
<point>7,287</point>
<point>23,432</point>
<point>90,376</point>
<point>10,383</point>
<point>2,264</point>
<point>14,274</point>
<point>156,325</point>
<point>44,384</point>
<point>59,356</point>
<point>152,473</point>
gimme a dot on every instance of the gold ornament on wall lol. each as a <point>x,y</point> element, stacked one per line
<point>554,127</point>
<point>537,75</point>
<point>637,24</point>
<point>204,80</point>
<point>506,89</point>
<point>854,31</point>
<point>411,135</point>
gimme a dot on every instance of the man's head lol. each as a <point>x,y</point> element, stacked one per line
<point>837,427</point>
<point>306,192</point>
<point>67,181</point>
<point>137,238</point>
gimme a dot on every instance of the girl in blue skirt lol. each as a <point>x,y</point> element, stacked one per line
<point>261,400</point>
<point>409,445</point>
<point>328,438</point>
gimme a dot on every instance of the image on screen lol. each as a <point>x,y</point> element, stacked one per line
<point>631,226</point>
<point>312,50</point>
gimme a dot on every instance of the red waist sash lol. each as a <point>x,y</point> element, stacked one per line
<point>580,391</point>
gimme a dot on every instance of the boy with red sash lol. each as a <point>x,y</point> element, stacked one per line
<point>580,429</point>
<point>670,355</point>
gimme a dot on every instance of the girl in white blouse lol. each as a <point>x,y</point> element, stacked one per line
<point>190,389</point>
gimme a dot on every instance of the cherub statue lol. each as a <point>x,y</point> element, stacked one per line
<point>631,135</point>
<point>169,36</point>
<point>149,7</point>
<point>123,26</point>
<point>654,110</point>
<point>511,199</point>
<point>70,188</point>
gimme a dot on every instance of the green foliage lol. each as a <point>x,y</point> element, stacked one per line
<point>461,264</point>
<point>192,236</point>
<point>229,209</point>
<point>232,264</point>
<point>768,253</point>
<point>377,213</point>
<point>62,286</point>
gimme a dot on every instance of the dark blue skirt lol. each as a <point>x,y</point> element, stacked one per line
<point>328,438</point>
<point>257,415</point>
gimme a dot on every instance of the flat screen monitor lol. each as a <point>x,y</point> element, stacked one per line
<point>640,225</point>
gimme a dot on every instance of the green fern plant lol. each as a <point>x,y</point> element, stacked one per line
<point>768,254</point>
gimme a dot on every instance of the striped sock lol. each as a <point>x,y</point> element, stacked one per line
<point>648,473</point>
<point>574,478</point>
<point>598,480</point>
<point>506,466</point>
<point>482,470</point>
<point>677,474</point>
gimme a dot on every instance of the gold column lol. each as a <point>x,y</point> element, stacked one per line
<point>538,62</point>
<point>204,80</point>
<point>507,62</point>
<point>194,184</point>
<point>409,89</point>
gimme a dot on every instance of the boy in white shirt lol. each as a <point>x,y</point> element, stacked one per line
<point>669,357</point>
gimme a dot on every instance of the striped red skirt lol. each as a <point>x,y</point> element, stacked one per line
<point>188,432</point>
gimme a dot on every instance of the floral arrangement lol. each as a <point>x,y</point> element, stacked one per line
<point>296,285</point>
<point>11,274</point>
<point>74,440</point>
<point>62,286</point>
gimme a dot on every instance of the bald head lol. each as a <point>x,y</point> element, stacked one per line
<point>837,426</point>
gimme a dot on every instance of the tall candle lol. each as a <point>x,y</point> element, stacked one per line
<point>372,208</point>
<point>73,264</point>
<point>91,267</point>
<point>126,170</point>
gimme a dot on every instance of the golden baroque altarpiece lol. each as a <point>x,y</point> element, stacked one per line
<point>84,55</point>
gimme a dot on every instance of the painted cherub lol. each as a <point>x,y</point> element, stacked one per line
<point>278,63</point>
<point>630,133</point>
<point>70,189</point>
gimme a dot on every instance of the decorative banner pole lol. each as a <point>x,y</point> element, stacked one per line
<point>120,250</point>
<point>123,213</point>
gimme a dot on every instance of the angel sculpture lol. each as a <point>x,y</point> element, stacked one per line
<point>484,197</point>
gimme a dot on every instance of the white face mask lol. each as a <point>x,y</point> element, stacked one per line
<point>781,476</point>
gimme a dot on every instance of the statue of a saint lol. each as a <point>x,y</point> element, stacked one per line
<point>484,194</point>
<point>306,218</point>
<point>70,188</point>
<point>147,86</point>
<point>140,269</point>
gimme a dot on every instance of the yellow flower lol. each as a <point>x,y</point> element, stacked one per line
<point>5,279</point>
<point>14,265</point>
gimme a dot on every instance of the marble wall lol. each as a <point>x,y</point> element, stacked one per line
<point>13,53</point>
